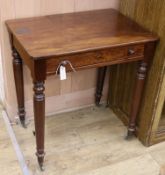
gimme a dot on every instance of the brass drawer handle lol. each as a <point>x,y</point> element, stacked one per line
<point>131,52</point>
<point>64,63</point>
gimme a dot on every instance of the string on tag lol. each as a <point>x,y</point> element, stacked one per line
<point>64,63</point>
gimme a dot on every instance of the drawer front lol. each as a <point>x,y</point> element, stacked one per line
<point>97,58</point>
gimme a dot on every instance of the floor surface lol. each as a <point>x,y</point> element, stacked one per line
<point>90,142</point>
<point>8,160</point>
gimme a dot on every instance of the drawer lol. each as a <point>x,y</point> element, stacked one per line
<point>97,58</point>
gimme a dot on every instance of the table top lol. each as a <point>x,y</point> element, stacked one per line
<point>61,34</point>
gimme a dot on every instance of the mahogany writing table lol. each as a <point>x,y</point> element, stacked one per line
<point>86,40</point>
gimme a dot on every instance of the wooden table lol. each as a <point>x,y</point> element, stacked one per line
<point>85,40</point>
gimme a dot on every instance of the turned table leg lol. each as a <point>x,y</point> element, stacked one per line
<point>142,69</point>
<point>100,84</point>
<point>18,76</point>
<point>39,117</point>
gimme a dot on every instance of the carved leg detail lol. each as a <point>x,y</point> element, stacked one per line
<point>100,84</point>
<point>142,70</point>
<point>18,76</point>
<point>39,116</point>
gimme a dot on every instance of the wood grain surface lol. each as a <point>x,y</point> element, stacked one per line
<point>63,34</point>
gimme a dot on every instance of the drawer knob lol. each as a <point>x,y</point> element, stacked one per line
<point>131,51</point>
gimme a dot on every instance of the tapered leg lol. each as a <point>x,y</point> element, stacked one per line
<point>142,69</point>
<point>18,76</point>
<point>100,83</point>
<point>39,117</point>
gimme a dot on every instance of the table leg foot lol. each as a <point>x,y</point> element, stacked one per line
<point>97,100</point>
<point>22,114</point>
<point>130,135</point>
<point>23,123</point>
<point>41,165</point>
<point>42,168</point>
<point>41,161</point>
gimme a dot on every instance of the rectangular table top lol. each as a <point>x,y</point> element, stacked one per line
<point>62,34</point>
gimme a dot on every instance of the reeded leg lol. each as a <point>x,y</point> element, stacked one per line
<point>18,76</point>
<point>39,117</point>
<point>142,69</point>
<point>100,83</point>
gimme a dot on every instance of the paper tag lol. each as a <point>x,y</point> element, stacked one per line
<point>62,73</point>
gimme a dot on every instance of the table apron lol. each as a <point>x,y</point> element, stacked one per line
<point>97,58</point>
